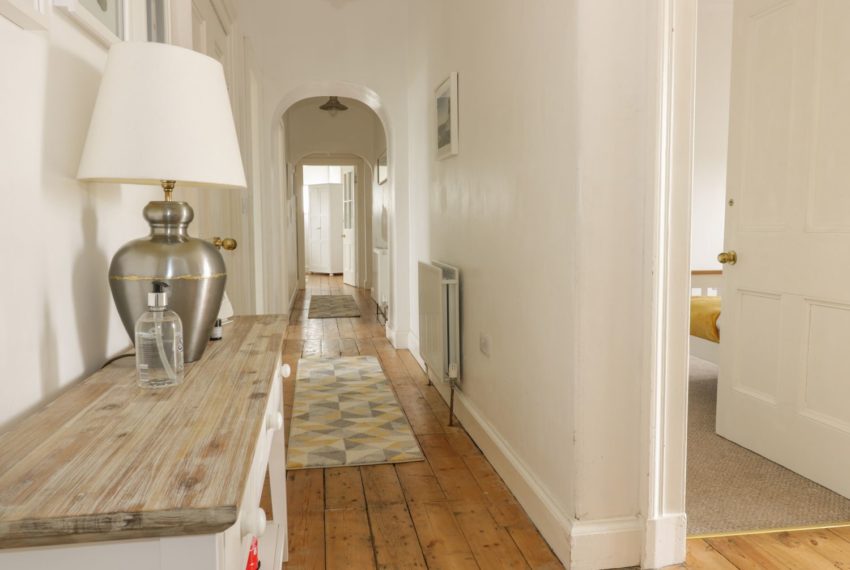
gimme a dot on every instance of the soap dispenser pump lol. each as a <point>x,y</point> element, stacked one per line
<point>159,342</point>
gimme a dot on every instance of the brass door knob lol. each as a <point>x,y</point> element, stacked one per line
<point>224,243</point>
<point>728,257</point>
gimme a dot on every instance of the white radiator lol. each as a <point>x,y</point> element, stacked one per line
<point>439,320</point>
<point>381,278</point>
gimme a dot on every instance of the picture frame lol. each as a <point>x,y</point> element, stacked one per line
<point>27,14</point>
<point>446,117</point>
<point>105,20</point>
<point>381,168</point>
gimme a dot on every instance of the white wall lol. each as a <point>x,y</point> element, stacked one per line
<point>616,84</point>
<point>58,235</point>
<point>545,212</point>
<point>504,211</point>
<point>63,234</point>
<point>711,131</point>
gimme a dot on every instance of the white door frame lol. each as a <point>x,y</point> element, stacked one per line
<point>362,221</point>
<point>350,201</point>
<point>665,403</point>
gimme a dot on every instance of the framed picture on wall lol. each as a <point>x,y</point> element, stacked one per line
<point>106,20</point>
<point>445,98</point>
<point>382,168</point>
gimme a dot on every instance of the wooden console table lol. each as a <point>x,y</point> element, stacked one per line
<point>109,475</point>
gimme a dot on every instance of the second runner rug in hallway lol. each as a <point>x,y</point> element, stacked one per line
<point>333,307</point>
<point>345,413</point>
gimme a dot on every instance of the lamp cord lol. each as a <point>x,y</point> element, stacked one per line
<point>119,357</point>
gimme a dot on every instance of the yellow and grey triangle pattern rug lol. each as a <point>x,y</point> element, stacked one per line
<point>333,307</point>
<point>345,413</point>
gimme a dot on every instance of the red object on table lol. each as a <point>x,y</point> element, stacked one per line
<point>254,555</point>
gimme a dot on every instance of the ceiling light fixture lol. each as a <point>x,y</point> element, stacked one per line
<point>333,105</point>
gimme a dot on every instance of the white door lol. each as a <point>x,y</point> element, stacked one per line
<point>318,260</point>
<point>784,388</point>
<point>324,229</point>
<point>224,212</point>
<point>349,238</point>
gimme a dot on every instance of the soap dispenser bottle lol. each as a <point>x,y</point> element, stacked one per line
<point>159,342</point>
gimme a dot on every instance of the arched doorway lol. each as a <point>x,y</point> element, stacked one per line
<point>283,179</point>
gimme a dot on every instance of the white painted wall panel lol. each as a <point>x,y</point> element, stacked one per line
<point>503,211</point>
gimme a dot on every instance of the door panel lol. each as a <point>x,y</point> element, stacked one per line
<point>768,69</point>
<point>829,202</point>
<point>318,261</point>
<point>324,229</point>
<point>349,239</point>
<point>334,235</point>
<point>224,212</point>
<point>757,345</point>
<point>825,399</point>
<point>784,384</point>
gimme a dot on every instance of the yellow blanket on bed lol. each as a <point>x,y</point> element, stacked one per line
<point>704,314</point>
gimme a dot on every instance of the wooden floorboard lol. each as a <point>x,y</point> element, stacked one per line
<point>452,511</point>
<point>792,550</point>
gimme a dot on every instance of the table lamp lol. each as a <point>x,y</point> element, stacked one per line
<point>163,117</point>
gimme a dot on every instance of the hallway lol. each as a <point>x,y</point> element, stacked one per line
<point>451,511</point>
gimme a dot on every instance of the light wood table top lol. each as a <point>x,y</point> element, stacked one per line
<point>107,460</point>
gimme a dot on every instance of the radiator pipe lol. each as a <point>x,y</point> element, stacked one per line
<point>451,402</point>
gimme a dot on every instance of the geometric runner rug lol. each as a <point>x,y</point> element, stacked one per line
<point>333,307</point>
<point>345,413</point>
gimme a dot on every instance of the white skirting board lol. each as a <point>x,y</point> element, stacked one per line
<point>292,298</point>
<point>608,543</point>
<point>553,524</point>
<point>413,347</point>
<point>580,545</point>
<point>666,541</point>
<point>397,338</point>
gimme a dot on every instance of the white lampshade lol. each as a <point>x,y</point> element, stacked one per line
<point>162,113</point>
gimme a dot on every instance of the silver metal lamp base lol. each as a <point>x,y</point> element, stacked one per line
<point>193,268</point>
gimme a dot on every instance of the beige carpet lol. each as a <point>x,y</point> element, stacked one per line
<point>733,489</point>
<point>345,413</point>
<point>333,307</point>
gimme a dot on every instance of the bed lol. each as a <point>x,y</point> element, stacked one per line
<point>705,315</point>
